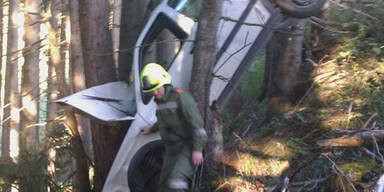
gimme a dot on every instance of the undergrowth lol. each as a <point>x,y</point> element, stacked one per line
<point>347,94</point>
<point>30,171</point>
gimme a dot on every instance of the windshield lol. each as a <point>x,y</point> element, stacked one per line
<point>189,8</point>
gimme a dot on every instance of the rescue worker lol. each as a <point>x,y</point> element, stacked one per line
<point>180,125</point>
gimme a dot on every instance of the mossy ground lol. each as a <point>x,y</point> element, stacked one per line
<point>346,92</point>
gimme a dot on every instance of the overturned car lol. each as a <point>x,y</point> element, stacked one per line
<point>172,26</point>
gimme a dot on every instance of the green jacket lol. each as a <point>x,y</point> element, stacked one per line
<point>179,120</point>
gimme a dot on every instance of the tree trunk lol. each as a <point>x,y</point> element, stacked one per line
<point>205,47</point>
<point>52,95</point>
<point>29,115</point>
<point>130,26</point>
<point>11,124</point>
<point>1,60</point>
<point>78,75</point>
<point>81,176</point>
<point>11,95</point>
<point>78,83</point>
<point>99,69</point>
<point>283,62</point>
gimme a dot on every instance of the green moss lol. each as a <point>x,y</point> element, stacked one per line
<point>356,170</point>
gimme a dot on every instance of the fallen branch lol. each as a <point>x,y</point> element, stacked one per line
<point>312,183</point>
<point>354,137</point>
<point>345,141</point>
<point>358,138</point>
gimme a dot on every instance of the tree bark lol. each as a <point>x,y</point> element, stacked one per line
<point>205,47</point>
<point>283,62</point>
<point>11,122</point>
<point>81,177</point>
<point>1,61</point>
<point>78,83</point>
<point>11,126</point>
<point>29,115</point>
<point>99,69</point>
<point>130,26</point>
<point>77,66</point>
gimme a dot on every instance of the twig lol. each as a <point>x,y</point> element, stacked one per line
<point>285,184</point>
<point>349,132</point>
<point>349,114</point>
<point>221,186</point>
<point>309,89</point>
<point>327,28</point>
<point>272,189</point>
<point>305,183</point>
<point>313,182</point>
<point>373,155</point>
<point>377,148</point>
<point>237,136</point>
<point>369,120</point>
<point>231,55</point>
<point>303,97</point>
<point>354,10</point>
<point>373,127</point>
<point>340,172</point>
<point>253,119</point>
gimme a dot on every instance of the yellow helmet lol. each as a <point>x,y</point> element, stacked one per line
<point>154,76</point>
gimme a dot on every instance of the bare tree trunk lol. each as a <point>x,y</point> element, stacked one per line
<point>11,126</point>
<point>202,68</point>
<point>81,176</point>
<point>131,20</point>
<point>99,69</point>
<point>1,60</point>
<point>29,115</point>
<point>11,95</point>
<point>78,74</point>
<point>52,95</point>
<point>78,83</point>
<point>283,62</point>
<point>52,92</point>
<point>205,47</point>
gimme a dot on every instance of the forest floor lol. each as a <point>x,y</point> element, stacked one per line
<point>345,93</point>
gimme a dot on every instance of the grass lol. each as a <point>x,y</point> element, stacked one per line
<point>347,91</point>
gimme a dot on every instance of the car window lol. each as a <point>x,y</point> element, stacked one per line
<point>161,45</point>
